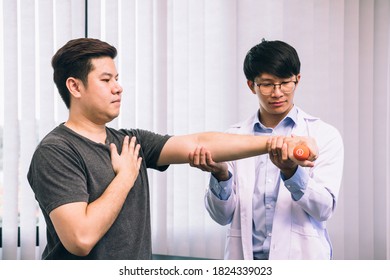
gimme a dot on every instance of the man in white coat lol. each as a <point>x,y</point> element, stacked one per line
<point>276,209</point>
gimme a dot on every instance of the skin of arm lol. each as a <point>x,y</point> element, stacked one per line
<point>224,147</point>
<point>227,147</point>
<point>277,146</point>
<point>93,220</point>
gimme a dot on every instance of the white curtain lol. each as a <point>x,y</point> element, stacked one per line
<point>180,63</point>
<point>30,107</point>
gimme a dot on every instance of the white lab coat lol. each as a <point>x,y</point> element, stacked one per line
<point>299,227</point>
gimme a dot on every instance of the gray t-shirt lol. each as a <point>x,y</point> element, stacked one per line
<point>67,167</point>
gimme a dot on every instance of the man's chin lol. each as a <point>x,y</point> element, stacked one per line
<point>110,118</point>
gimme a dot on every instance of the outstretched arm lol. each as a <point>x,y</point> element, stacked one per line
<point>224,147</point>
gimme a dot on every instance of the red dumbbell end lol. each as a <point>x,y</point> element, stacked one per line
<point>301,152</point>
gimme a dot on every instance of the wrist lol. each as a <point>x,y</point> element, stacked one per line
<point>222,175</point>
<point>125,180</point>
<point>288,173</point>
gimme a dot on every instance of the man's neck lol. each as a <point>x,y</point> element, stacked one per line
<point>271,120</point>
<point>88,129</point>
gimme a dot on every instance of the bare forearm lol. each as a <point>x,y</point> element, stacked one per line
<point>223,146</point>
<point>226,147</point>
<point>79,235</point>
<point>102,213</point>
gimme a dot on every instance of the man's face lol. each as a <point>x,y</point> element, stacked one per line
<point>275,102</point>
<point>101,97</point>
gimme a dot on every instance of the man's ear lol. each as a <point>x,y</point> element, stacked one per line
<point>251,85</point>
<point>74,86</point>
<point>298,77</point>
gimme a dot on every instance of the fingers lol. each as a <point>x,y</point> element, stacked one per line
<point>136,155</point>
<point>205,160</point>
<point>209,159</point>
<point>113,149</point>
<point>284,152</point>
<point>276,147</point>
<point>280,150</point>
<point>307,163</point>
<point>133,147</point>
<point>130,146</point>
<point>125,145</point>
<point>308,142</point>
<point>201,158</point>
<point>198,157</point>
<point>129,149</point>
<point>194,157</point>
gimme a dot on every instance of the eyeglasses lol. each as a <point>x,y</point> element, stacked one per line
<point>269,88</point>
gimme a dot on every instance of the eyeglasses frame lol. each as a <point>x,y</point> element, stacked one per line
<point>280,86</point>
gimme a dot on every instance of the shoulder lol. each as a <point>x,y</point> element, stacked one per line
<point>59,144</point>
<point>151,143</point>
<point>142,135</point>
<point>318,128</point>
<point>58,137</point>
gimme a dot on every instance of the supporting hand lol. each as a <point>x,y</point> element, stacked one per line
<point>202,159</point>
<point>281,152</point>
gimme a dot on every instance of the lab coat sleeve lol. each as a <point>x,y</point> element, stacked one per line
<point>321,192</point>
<point>220,210</point>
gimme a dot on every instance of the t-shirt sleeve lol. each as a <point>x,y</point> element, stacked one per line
<point>57,177</point>
<point>151,146</point>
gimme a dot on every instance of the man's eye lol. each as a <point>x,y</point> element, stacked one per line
<point>267,85</point>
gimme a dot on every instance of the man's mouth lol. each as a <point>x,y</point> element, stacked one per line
<point>277,104</point>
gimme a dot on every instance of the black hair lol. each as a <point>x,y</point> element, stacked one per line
<point>276,58</point>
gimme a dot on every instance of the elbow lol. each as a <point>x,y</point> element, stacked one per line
<point>323,215</point>
<point>225,222</point>
<point>220,217</point>
<point>328,212</point>
<point>322,210</point>
<point>79,246</point>
<point>221,212</point>
<point>220,220</point>
<point>81,250</point>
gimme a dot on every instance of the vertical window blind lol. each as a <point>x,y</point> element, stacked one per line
<point>180,64</point>
<point>31,32</point>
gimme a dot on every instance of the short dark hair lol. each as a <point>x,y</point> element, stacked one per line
<point>273,57</point>
<point>74,60</point>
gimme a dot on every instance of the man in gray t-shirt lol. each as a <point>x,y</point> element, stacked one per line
<point>68,167</point>
<point>91,181</point>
